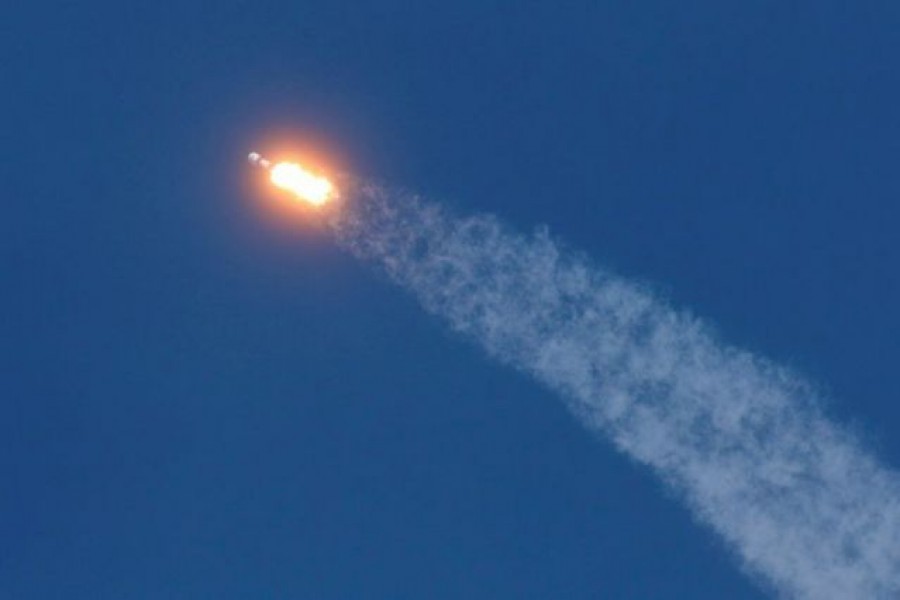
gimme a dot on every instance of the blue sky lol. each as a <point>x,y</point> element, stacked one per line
<point>199,402</point>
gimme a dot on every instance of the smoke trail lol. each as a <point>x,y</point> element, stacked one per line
<point>741,440</point>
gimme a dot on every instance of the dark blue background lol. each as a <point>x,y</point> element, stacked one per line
<point>197,402</point>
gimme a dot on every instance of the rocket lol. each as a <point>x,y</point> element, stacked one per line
<point>302,183</point>
<point>256,159</point>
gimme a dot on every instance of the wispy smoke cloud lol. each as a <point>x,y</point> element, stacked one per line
<point>802,504</point>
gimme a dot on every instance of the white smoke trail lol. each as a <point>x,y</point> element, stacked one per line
<point>742,441</point>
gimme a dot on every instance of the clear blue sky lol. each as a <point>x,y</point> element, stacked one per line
<point>198,403</point>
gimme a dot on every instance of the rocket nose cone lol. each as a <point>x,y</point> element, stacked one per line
<point>253,157</point>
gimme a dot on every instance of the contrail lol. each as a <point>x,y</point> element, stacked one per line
<point>804,506</point>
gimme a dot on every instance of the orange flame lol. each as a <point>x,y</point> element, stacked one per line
<point>302,183</point>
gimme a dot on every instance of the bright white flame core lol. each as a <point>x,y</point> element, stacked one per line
<point>302,183</point>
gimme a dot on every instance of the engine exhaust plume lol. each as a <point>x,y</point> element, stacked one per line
<point>800,501</point>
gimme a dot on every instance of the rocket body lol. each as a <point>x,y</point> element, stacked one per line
<point>256,159</point>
